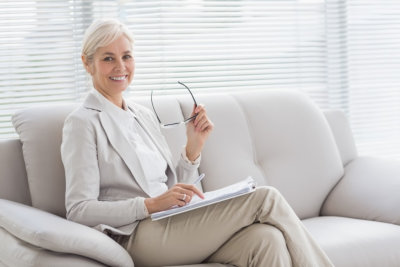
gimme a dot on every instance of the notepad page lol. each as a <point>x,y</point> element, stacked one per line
<point>237,188</point>
<point>231,191</point>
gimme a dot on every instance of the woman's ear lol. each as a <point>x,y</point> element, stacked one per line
<point>86,64</point>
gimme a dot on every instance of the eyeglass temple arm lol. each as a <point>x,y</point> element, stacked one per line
<point>195,103</point>
<point>151,99</point>
<point>152,104</point>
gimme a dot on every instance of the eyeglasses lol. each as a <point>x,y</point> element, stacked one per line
<point>175,124</point>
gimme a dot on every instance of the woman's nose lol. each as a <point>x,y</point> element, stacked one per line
<point>119,65</point>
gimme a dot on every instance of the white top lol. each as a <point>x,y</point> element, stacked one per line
<point>153,164</point>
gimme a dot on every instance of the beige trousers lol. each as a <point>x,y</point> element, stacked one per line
<point>257,229</point>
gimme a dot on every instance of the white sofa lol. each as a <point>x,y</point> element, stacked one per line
<point>350,204</point>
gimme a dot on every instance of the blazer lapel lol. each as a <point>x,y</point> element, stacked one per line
<point>119,142</point>
<point>155,136</point>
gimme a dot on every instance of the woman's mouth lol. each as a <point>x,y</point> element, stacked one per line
<point>119,78</point>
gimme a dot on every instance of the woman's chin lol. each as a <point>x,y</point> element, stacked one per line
<point>119,87</point>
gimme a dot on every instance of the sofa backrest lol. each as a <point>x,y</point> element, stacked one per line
<point>280,138</point>
<point>341,130</point>
<point>13,181</point>
<point>40,132</point>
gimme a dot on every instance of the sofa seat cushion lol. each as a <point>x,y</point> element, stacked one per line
<point>356,243</point>
<point>15,252</point>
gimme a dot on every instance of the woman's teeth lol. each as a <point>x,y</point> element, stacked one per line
<point>118,78</point>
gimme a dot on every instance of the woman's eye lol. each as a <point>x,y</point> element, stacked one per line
<point>108,59</point>
<point>127,57</point>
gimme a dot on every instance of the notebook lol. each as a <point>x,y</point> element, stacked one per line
<point>246,186</point>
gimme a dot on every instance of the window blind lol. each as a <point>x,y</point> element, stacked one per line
<point>365,41</point>
<point>38,56</point>
<point>210,45</point>
<point>344,54</point>
<point>229,45</point>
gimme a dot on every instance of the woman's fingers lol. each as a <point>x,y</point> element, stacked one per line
<point>201,112</point>
<point>191,189</point>
<point>183,198</point>
<point>198,108</point>
<point>202,121</point>
<point>200,118</point>
<point>203,124</point>
<point>184,195</point>
<point>178,195</point>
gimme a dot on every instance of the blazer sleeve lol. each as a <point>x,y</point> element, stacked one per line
<point>186,170</point>
<point>79,156</point>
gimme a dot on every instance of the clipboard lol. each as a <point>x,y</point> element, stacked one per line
<point>246,186</point>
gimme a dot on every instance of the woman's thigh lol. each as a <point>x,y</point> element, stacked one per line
<point>193,236</point>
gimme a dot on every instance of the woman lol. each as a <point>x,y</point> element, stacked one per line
<point>119,171</point>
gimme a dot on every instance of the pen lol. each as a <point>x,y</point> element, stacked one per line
<point>201,176</point>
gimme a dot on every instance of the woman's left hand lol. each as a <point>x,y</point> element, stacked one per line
<point>197,132</point>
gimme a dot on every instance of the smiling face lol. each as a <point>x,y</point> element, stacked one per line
<point>112,69</point>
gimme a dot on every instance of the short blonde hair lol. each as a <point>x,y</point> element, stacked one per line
<point>103,32</point>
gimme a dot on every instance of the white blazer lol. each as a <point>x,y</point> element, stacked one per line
<point>105,183</point>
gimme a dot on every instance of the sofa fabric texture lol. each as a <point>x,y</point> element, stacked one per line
<point>51,232</point>
<point>367,178</point>
<point>281,139</point>
<point>362,243</point>
<point>341,130</point>
<point>40,133</point>
<point>16,252</point>
<point>14,185</point>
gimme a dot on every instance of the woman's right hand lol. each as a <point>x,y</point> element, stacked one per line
<point>178,195</point>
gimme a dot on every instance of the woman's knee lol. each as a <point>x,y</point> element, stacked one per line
<point>267,236</point>
<point>268,191</point>
<point>268,245</point>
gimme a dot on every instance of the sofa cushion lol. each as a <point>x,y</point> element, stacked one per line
<point>15,252</point>
<point>356,243</point>
<point>280,138</point>
<point>40,131</point>
<point>14,185</point>
<point>51,232</point>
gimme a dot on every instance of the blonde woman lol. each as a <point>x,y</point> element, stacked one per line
<point>119,171</point>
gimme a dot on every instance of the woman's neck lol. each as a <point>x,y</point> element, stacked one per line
<point>115,99</point>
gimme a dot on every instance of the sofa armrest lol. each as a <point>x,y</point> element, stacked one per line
<point>54,233</point>
<point>368,190</point>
